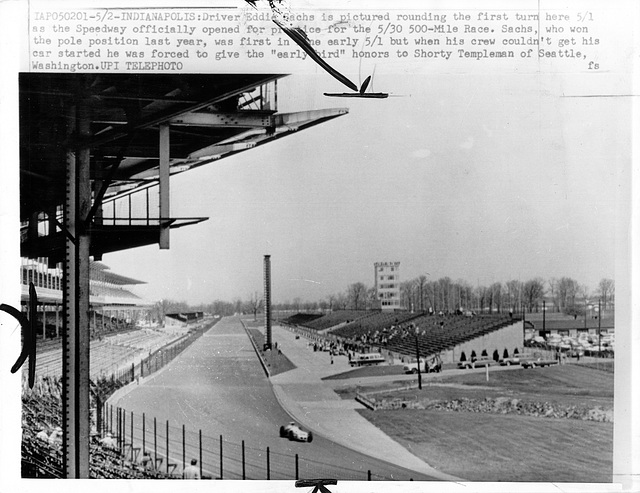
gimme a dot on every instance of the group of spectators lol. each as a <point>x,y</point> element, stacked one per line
<point>42,438</point>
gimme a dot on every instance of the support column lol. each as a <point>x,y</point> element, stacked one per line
<point>164,154</point>
<point>75,346</point>
<point>44,321</point>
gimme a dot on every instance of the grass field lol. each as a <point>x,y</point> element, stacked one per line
<point>485,447</point>
<point>276,361</point>
<point>496,447</point>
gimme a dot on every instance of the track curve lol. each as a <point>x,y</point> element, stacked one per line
<point>218,386</point>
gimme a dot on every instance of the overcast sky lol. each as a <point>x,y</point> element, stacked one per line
<point>483,177</point>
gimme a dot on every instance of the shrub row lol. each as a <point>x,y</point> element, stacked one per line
<point>502,405</point>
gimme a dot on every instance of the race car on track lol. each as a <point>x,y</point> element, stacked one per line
<point>292,431</point>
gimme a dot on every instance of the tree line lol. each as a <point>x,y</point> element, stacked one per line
<point>420,294</point>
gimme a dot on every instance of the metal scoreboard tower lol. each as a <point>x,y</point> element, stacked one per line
<point>267,301</point>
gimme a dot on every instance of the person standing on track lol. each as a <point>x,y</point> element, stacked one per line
<point>191,471</point>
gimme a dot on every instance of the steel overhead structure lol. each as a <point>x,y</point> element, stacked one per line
<point>96,155</point>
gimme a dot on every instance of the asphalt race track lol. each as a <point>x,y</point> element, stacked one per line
<point>218,386</point>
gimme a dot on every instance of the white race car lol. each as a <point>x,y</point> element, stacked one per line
<point>292,431</point>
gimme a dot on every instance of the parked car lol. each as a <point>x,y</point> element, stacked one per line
<point>534,361</point>
<point>413,367</point>
<point>514,359</point>
<point>292,431</point>
<point>479,363</point>
<point>575,353</point>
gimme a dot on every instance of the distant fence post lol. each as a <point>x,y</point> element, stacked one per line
<point>144,433</point>
<point>183,448</point>
<point>131,436</point>
<point>221,457</point>
<point>200,449</point>
<point>243,462</point>
<point>268,465</point>
<point>167,449</point>
<point>155,444</point>
<point>297,468</point>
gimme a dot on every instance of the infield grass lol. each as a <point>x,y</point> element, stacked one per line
<point>497,447</point>
<point>486,447</point>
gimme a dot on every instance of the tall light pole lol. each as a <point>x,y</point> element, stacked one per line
<point>415,333</point>
<point>599,334</point>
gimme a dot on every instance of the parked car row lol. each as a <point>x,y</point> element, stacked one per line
<point>478,363</point>
<point>524,360</point>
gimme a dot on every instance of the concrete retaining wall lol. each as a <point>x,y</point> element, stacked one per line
<point>509,338</point>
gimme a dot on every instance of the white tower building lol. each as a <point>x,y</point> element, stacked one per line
<point>387,283</point>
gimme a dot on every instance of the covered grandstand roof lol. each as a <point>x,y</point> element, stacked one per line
<point>111,277</point>
<point>209,116</point>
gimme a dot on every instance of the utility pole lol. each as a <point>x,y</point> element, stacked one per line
<point>599,326</point>
<point>418,359</point>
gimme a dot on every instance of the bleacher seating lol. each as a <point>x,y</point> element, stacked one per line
<point>336,318</point>
<point>301,318</point>
<point>397,331</point>
<point>373,325</point>
<point>107,353</point>
<point>437,334</point>
<point>41,459</point>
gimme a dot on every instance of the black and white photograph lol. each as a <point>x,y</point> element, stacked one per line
<point>319,246</point>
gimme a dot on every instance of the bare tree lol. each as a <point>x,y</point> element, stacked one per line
<point>431,290</point>
<point>341,301</point>
<point>514,293</point>
<point>533,292</point>
<point>553,289</point>
<point>407,294</point>
<point>331,300</point>
<point>464,295</point>
<point>421,291</point>
<point>371,300</point>
<point>496,296</point>
<point>445,293</point>
<point>568,291</point>
<point>255,303</point>
<point>357,295</point>
<point>237,305</point>
<point>323,305</point>
<point>606,288</point>
<point>481,294</point>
